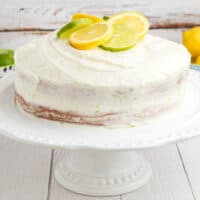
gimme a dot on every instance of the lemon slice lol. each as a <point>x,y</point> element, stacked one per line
<point>95,19</point>
<point>72,26</point>
<point>6,57</point>
<point>91,36</point>
<point>129,28</point>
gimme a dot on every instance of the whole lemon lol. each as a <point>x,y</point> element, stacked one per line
<point>197,61</point>
<point>191,39</point>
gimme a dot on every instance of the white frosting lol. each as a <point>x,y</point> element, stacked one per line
<point>55,60</point>
<point>91,81</point>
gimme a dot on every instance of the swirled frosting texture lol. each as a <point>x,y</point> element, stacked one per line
<point>153,59</point>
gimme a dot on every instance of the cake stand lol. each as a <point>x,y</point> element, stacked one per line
<point>101,161</point>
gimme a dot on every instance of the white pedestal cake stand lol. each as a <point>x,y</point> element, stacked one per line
<point>101,161</point>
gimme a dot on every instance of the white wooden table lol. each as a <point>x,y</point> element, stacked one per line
<point>26,170</point>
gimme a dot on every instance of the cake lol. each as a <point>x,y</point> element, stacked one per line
<point>58,82</point>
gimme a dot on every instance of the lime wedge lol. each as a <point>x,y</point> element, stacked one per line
<point>73,26</point>
<point>6,57</point>
<point>106,17</point>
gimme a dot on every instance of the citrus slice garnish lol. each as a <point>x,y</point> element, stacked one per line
<point>73,26</point>
<point>95,19</point>
<point>129,28</point>
<point>6,57</point>
<point>91,36</point>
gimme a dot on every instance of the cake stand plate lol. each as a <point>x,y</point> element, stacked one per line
<point>100,161</point>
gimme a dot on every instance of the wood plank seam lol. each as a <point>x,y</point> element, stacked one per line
<point>26,30</point>
<point>153,27</point>
<point>50,174</point>
<point>185,170</point>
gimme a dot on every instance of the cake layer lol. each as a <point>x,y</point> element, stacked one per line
<point>106,119</point>
<point>88,100</point>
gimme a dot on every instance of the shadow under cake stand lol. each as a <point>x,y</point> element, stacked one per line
<point>101,161</point>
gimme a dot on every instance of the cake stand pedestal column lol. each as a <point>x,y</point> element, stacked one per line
<point>102,173</point>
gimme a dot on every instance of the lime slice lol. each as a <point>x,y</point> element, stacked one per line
<point>6,57</point>
<point>123,39</point>
<point>73,26</point>
<point>129,28</point>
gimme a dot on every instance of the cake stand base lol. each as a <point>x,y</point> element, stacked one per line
<point>102,173</point>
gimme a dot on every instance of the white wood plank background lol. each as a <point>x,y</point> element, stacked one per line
<point>50,14</point>
<point>169,181</point>
<point>190,155</point>
<point>26,171</point>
